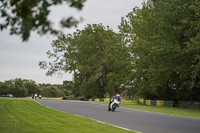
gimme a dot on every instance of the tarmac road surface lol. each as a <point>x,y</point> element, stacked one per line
<point>141,121</point>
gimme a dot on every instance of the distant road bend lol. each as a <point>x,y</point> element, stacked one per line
<point>141,121</point>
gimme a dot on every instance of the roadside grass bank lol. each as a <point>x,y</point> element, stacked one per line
<point>29,98</point>
<point>165,110</point>
<point>22,116</point>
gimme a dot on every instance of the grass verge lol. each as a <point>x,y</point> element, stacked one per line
<point>165,110</point>
<point>22,116</point>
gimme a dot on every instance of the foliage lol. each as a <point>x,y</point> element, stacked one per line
<point>19,88</point>
<point>68,85</point>
<point>15,87</point>
<point>52,91</point>
<point>25,87</point>
<point>95,55</point>
<point>32,87</point>
<point>24,16</point>
<point>163,37</point>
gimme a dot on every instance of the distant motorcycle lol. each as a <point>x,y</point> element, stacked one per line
<point>113,105</point>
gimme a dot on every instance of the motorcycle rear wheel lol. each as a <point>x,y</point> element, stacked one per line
<point>109,109</point>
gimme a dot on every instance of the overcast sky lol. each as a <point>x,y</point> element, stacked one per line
<point>20,59</point>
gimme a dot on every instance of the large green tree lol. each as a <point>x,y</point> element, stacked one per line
<point>97,57</point>
<point>164,41</point>
<point>24,16</point>
<point>19,88</point>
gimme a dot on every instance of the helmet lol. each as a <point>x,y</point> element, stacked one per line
<point>118,95</point>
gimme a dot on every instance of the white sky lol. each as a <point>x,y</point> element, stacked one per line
<point>20,59</point>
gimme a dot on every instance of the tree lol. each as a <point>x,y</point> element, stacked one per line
<point>24,16</point>
<point>7,87</point>
<point>96,56</point>
<point>52,91</point>
<point>19,89</point>
<point>68,85</point>
<point>32,87</point>
<point>162,36</point>
<point>1,83</point>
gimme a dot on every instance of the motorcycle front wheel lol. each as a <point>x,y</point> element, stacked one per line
<point>113,107</point>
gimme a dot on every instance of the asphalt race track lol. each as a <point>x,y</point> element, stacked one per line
<point>141,121</point>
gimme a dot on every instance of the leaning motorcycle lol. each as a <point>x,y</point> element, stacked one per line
<point>113,105</point>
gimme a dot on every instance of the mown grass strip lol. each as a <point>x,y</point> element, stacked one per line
<point>22,116</point>
<point>165,110</point>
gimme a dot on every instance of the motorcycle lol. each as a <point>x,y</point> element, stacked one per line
<point>113,105</point>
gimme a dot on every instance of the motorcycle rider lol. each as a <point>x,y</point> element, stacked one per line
<point>115,97</point>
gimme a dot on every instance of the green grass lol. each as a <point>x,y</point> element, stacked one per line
<point>22,116</point>
<point>165,110</point>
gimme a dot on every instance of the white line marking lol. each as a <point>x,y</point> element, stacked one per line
<point>110,124</point>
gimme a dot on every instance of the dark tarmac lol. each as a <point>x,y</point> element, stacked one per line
<point>141,121</point>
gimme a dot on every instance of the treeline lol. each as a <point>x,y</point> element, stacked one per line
<point>155,55</point>
<point>24,87</point>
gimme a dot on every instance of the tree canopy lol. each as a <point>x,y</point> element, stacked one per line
<point>96,56</point>
<point>24,16</point>
<point>164,39</point>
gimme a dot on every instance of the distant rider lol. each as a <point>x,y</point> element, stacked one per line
<point>115,97</point>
